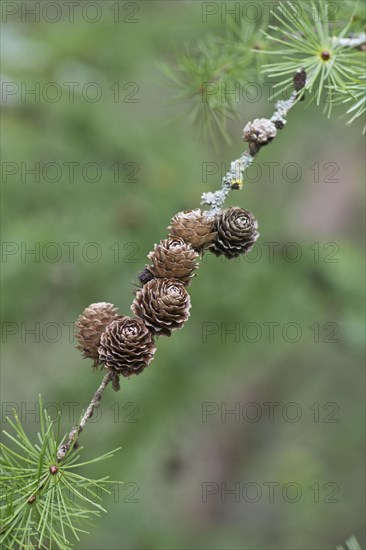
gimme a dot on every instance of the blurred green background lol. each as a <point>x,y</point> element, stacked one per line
<point>311,371</point>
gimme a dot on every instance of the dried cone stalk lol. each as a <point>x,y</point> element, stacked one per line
<point>126,346</point>
<point>194,227</point>
<point>163,305</point>
<point>236,232</point>
<point>90,325</point>
<point>173,258</point>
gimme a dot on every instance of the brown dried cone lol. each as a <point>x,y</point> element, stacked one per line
<point>163,305</point>
<point>173,258</point>
<point>194,227</point>
<point>258,133</point>
<point>126,346</point>
<point>236,232</point>
<point>90,325</point>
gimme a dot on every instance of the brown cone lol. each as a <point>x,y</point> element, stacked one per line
<point>236,232</point>
<point>126,346</point>
<point>90,325</point>
<point>173,258</point>
<point>163,304</point>
<point>194,227</point>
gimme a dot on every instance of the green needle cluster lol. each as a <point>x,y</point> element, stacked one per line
<point>44,502</point>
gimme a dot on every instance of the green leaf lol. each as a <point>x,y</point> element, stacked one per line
<point>40,508</point>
